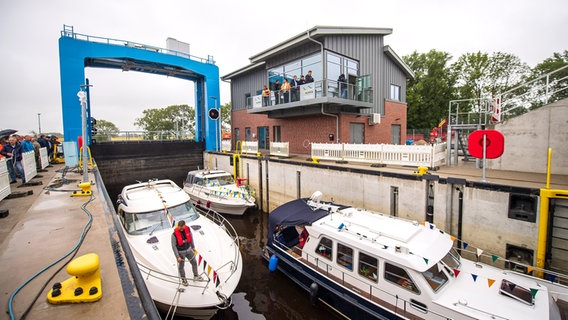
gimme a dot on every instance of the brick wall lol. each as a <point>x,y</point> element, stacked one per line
<point>300,131</point>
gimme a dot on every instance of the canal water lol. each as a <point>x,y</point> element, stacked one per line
<point>262,294</point>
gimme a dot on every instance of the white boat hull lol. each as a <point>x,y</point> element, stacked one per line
<point>221,206</point>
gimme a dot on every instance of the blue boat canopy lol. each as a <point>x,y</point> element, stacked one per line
<point>294,213</point>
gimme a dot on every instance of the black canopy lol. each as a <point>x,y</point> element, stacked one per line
<point>294,213</point>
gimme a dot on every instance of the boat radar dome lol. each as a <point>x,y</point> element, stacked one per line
<point>316,196</point>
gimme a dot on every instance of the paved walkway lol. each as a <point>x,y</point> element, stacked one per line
<point>40,229</point>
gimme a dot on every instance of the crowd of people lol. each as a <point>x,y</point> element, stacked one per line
<point>287,91</point>
<point>12,147</point>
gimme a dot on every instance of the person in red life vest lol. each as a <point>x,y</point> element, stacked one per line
<point>183,247</point>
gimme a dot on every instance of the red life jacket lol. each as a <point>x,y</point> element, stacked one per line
<point>180,244</point>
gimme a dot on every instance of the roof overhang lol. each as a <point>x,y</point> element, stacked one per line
<point>248,68</point>
<point>399,62</point>
<point>315,33</point>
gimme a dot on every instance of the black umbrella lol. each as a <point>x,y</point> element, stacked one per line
<point>7,132</point>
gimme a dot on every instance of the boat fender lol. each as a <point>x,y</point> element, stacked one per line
<point>225,302</point>
<point>273,263</point>
<point>314,287</point>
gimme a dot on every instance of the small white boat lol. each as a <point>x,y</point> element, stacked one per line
<point>216,189</point>
<point>148,213</point>
<point>366,265</point>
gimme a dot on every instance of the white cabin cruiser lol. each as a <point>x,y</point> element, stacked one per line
<point>148,213</point>
<point>218,190</point>
<point>366,265</point>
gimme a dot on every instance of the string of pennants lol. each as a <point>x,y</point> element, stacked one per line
<point>479,253</point>
<point>166,212</point>
<point>456,272</point>
<point>225,191</point>
<point>207,268</point>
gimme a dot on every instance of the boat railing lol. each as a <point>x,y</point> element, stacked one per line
<point>223,223</point>
<point>357,284</point>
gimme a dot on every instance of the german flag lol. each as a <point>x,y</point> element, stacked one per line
<point>442,123</point>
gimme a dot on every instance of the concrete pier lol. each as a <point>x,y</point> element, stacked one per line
<point>43,227</point>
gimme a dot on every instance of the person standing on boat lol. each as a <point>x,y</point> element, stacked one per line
<point>182,244</point>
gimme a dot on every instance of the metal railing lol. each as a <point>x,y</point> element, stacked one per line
<point>68,32</point>
<point>409,155</point>
<point>144,135</point>
<point>313,90</point>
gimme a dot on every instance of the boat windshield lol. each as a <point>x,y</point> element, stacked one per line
<point>435,277</point>
<point>221,180</point>
<point>149,222</point>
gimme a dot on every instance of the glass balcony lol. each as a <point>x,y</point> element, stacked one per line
<point>345,97</point>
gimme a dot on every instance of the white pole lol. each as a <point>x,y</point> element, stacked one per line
<point>83,99</point>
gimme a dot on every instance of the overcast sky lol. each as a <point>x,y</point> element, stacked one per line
<point>232,31</point>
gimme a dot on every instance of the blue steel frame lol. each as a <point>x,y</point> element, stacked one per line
<point>77,51</point>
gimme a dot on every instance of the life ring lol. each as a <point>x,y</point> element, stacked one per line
<point>494,144</point>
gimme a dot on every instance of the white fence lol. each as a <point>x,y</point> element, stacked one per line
<point>407,155</point>
<point>43,157</point>
<point>29,164</point>
<point>280,149</point>
<point>225,145</point>
<point>4,179</point>
<point>249,147</point>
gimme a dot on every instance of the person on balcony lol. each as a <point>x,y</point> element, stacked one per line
<point>276,90</point>
<point>265,96</point>
<point>285,88</point>
<point>295,89</point>
<point>342,86</point>
<point>309,77</point>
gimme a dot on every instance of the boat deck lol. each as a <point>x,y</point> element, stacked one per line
<point>43,225</point>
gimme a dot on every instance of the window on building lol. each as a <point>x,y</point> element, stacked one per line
<point>325,248</point>
<point>248,134</point>
<point>276,133</point>
<point>263,138</point>
<point>395,92</point>
<point>345,256</point>
<point>237,134</point>
<point>248,100</point>
<point>297,67</point>
<point>368,267</point>
<point>356,133</point>
<point>400,277</point>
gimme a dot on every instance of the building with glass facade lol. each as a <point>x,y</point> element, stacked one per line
<point>357,93</point>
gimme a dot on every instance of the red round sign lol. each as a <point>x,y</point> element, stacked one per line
<point>494,142</point>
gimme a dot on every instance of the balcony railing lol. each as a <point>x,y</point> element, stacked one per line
<point>311,91</point>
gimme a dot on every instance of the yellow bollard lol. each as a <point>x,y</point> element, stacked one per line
<point>85,190</point>
<point>421,171</point>
<point>83,286</point>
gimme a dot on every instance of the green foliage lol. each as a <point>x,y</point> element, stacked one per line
<point>105,130</point>
<point>173,119</point>
<point>558,83</point>
<point>226,114</point>
<point>429,94</point>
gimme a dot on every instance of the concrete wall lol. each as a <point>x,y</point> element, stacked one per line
<point>528,137</point>
<point>485,221</point>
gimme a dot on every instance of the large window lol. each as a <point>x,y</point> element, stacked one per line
<point>368,267</point>
<point>400,277</point>
<point>296,68</point>
<point>325,248</point>
<point>395,92</point>
<point>276,133</point>
<point>345,256</point>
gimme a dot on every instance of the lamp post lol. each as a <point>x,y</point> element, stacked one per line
<point>39,122</point>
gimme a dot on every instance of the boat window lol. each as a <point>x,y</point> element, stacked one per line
<point>435,277</point>
<point>516,292</point>
<point>451,259</point>
<point>189,179</point>
<point>400,277</point>
<point>198,181</point>
<point>324,248</point>
<point>148,222</point>
<point>368,266</point>
<point>345,256</point>
<point>225,180</point>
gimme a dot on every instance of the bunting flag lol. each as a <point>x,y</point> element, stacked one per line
<point>207,268</point>
<point>533,292</point>
<point>490,282</point>
<point>442,123</point>
<point>494,258</point>
<point>453,238</point>
<point>474,276</point>
<point>456,272</point>
<point>440,267</point>
<point>425,260</point>
<point>479,252</point>
<point>530,269</point>
<point>464,244</point>
<point>165,204</point>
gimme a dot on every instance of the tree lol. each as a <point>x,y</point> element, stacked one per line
<point>105,129</point>
<point>172,119</point>
<point>557,81</point>
<point>226,114</point>
<point>429,94</point>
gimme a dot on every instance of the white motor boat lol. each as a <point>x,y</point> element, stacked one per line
<point>148,213</point>
<point>366,265</point>
<point>216,189</point>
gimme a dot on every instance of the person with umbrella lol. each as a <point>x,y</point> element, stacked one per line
<point>13,152</point>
